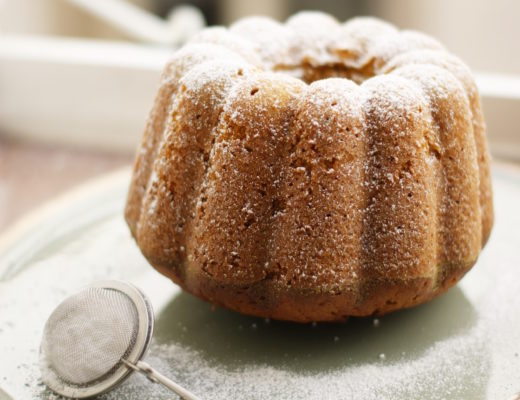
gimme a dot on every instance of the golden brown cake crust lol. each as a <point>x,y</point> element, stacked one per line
<point>313,174</point>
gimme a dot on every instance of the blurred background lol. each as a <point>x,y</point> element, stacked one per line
<point>77,77</point>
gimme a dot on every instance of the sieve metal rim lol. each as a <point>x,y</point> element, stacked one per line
<point>144,335</point>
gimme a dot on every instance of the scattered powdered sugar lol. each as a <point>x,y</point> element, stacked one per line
<point>268,38</point>
<point>443,371</point>
<point>312,34</point>
<point>222,36</point>
<point>316,39</point>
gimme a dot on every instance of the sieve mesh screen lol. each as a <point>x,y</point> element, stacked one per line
<point>88,334</point>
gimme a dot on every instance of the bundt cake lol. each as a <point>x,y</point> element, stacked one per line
<point>312,170</point>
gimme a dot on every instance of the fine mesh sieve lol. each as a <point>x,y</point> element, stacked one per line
<point>94,339</point>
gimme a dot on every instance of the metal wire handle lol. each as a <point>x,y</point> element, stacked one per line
<point>156,377</point>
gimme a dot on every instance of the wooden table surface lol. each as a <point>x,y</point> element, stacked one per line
<point>32,174</point>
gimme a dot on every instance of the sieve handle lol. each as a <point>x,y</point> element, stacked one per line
<point>157,377</point>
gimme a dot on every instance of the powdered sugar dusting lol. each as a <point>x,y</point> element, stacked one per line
<point>317,39</point>
<point>402,42</point>
<point>312,36</point>
<point>270,39</point>
<point>395,380</point>
<point>222,36</point>
<point>195,54</point>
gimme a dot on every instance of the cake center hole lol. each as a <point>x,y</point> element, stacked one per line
<point>312,73</point>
